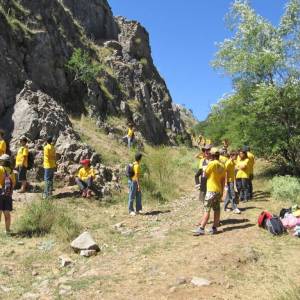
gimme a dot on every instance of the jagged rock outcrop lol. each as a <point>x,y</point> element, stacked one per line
<point>36,115</point>
<point>37,38</point>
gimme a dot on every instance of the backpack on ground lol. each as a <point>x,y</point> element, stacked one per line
<point>274,225</point>
<point>262,217</point>
<point>129,172</point>
<point>8,185</point>
<point>30,161</point>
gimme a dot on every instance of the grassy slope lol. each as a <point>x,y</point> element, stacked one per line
<point>244,262</point>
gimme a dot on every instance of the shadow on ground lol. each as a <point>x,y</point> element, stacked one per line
<point>156,212</point>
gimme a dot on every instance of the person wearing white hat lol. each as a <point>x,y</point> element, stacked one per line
<point>7,184</point>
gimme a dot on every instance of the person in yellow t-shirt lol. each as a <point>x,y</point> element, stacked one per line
<point>243,175</point>
<point>6,202</point>
<point>200,179</point>
<point>22,164</point>
<point>251,157</point>
<point>230,180</point>
<point>49,166</point>
<point>85,178</point>
<point>215,174</point>
<point>2,143</point>
<point>130,135</point>
<point>134,185</point>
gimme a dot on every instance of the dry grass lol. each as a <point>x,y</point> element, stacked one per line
<point>151,252</point>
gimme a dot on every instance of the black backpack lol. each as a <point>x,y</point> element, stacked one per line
<point>129,172</point>
<point>274,225</point>
<point>30,161</point>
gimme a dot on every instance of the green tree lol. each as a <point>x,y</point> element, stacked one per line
<point>82,66</point>
<point>264,64</point>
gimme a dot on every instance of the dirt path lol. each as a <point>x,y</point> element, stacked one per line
<point>155,256</point>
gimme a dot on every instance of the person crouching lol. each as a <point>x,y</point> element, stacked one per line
<point>85,178</point>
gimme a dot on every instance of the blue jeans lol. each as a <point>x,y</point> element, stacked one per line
<point>48,177</point>
<point>130,141</point>
<point>84,184</point>
<point>242,185</point>
<point>230,196</point>
<point>134,194</point>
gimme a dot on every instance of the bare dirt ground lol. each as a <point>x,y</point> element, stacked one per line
<point>155,255</point>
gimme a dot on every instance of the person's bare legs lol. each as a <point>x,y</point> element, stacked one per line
<point>23,186</point>
<point>205,219</point>
<point>7,220</point>
<point>217,215</point>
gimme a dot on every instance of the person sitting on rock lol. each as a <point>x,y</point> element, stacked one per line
<point>22,164</point>
<point>85,178</point>
<point>2,142</point>
<point>49,166</point>
<point>7,184</point>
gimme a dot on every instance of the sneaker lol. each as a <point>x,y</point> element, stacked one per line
<point>132,213</point>
<point>199,231</point>
<point>227,209</point>
<point>140,212</point>
<point>236,211</point>
<point>89,194</point>
<point>197,186</point>
<point>213,230</point>
<point>83,193</point>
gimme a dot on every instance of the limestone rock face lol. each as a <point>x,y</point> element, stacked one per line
<point>41,40</point>
<point>95,16</point>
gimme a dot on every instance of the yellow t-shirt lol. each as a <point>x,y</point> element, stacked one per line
<point>84,174</point>
<point>2,147</point>
<point>230,170</point>
<point>137,171</point>
<point>49,157</point>
<point>245,172</point>
<point>130,132</point>
<point>215,173</point>
<point>2,176</point>
<point>22,157</point>
<point>223,159</point>
<point>251,158</point>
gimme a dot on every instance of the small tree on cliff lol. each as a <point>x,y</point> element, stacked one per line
<point>82,66</point>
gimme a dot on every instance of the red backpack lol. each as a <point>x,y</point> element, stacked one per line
<point>263,216</point>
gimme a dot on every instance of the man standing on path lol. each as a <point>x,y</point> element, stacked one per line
<point>135,187</point>
<point>49,166</point>
<point>215,173</point>
<point>130,135</point>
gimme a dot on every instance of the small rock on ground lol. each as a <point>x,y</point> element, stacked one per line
<point>198,281</point>
<point>88,253</point>
<point>84,242</point>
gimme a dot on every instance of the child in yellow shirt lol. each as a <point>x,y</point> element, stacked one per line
<point>85,178</point>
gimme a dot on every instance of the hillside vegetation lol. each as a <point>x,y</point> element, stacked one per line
<point>263,110</point>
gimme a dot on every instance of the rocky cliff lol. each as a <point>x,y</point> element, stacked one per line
<point>37,39</point>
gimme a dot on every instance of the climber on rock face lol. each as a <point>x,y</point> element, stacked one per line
<point>130,135</point>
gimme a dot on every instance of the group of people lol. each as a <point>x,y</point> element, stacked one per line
<point>223,175</point>
<point>13,172</point>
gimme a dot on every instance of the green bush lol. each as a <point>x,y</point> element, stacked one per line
<point>44,216</point>
<point>82,66</point>
<point>286,188</point>
<point>37,219</point>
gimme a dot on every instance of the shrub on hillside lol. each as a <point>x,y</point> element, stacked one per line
<point>42,217</point>
<point>286,188</point>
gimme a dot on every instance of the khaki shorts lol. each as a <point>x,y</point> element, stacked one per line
<point>212,201</point>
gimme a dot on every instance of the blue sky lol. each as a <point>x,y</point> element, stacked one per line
<point>183,36</point>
